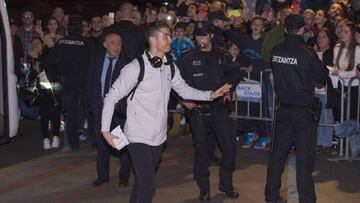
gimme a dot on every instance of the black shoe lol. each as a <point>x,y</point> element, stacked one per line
<point>231,193</point>
<point>99,182</point>
<point>123,183</point>
<point>204,195</point>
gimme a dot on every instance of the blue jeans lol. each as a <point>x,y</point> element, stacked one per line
<point>325,134</point>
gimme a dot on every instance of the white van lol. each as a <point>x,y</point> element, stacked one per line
<point>9,111</point>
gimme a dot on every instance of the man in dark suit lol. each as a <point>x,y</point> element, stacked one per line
<point>104,69</point>
<point>132,35</point>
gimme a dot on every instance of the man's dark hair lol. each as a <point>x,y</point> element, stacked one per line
<point>153,28</point>
<point>293,30</point>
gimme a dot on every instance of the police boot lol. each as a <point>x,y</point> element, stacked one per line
<point>204,195</point>
<point>230,192</point>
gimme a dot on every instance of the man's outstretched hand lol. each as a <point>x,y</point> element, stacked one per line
<point>221,91</point>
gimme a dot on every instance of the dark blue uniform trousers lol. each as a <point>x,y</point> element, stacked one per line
<point>103,159</point>
<point>71,99</point>
<point>218,122</point>
<point>293,125</point>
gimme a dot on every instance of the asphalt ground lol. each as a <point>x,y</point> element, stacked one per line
<point>30,174</point>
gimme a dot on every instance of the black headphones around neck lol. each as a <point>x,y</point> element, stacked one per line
<point>155,61</point>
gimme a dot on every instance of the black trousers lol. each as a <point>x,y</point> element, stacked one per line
<point>293,125</point>
<point>103,159</point>
<point>71,100</point>
<point>145,159</point>
<point>218,122</point>
<point>49,111</point>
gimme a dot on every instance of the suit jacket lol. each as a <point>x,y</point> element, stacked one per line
<point>95,99</point>
<point>132,36</point>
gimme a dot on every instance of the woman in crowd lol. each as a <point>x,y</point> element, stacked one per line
<point>50,100</point>
<point>346,58</point>
<point>321,20</point>
<point>324,49</point>
<point>52,35</point>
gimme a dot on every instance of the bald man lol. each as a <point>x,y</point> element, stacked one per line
<point>104,69</point>
<point>133,36</point>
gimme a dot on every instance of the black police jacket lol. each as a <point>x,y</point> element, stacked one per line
<point>72,55</point>
<point>297,69</point>
<point>207,70</point>
<point>132,37</point>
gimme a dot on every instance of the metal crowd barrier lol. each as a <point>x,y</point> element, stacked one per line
<point>340,142</point>
<point>348,110</point>
<point>343,152</point>
<point>259,99</point>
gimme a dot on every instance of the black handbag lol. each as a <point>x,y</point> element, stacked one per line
<point>29,92</point>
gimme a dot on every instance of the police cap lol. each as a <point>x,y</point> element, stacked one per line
<point>294,21</point>
<point>202,28</point>
<point>75,19</point>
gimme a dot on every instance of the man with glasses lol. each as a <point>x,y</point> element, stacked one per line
<point>27,31</point>
<point>146,125</point>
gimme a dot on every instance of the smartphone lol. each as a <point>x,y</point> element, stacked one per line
<point>112,15</point>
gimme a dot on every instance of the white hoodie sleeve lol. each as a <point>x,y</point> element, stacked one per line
<point>187,92</point>
<point>120,88</point>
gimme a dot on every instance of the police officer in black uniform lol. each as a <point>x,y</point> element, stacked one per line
<point>297,70</point>
<point>203,69</point>
<point>72,55</point>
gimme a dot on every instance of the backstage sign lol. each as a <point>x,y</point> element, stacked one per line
<point>248,92</point>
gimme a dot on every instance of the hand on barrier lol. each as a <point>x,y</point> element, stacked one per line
<point>357,74</point>
<point>335,72</point>
<point>249,69</point>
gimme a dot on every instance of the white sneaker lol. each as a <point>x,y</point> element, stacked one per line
<point>46,144</point>
<point>62,126</point>
<point>82,135</point>
<point>85,124</point>
<point>55,142</point>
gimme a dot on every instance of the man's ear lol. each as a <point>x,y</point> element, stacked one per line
<point>104,44</point>
<point>152,39</point>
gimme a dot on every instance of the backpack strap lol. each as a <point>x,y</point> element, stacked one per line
<point>140,77</point>
<point>171,63</point>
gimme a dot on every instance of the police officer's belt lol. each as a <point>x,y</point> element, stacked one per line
<point>207,107</point>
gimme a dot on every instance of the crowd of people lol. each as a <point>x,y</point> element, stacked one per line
<point>77,59</point>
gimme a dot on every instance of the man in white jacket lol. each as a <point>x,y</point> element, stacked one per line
<point>146,123</point>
